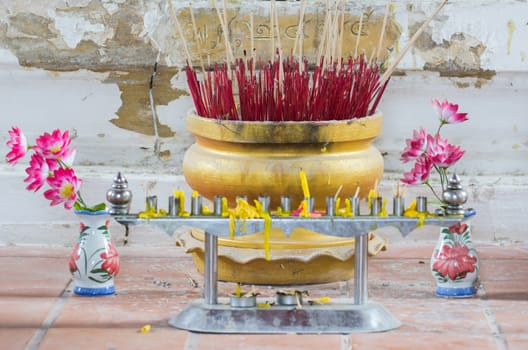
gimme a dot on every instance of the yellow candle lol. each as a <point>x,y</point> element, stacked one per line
<point>304,184</point>
<point>225,207</point>
<point>348,208</point>
<point>383,208</point>
<point>305,212</point>
<point>267,228</point>
<point>181,196</point>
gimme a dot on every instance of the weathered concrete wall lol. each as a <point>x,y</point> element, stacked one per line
<point>85,65</point>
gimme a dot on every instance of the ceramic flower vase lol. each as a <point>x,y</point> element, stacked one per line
<point>455,262</point>
<point>94,261</point>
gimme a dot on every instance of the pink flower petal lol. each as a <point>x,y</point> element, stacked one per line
<point>18,145</point>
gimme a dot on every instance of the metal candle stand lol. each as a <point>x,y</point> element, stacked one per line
<point>217,315</point>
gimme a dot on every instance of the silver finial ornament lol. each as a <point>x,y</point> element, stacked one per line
<point>454,196</point>
<point>119,196</point>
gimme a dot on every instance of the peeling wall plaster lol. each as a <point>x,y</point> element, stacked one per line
<point>124,37</point>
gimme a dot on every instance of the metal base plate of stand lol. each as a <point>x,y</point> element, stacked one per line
<point>340,316</point>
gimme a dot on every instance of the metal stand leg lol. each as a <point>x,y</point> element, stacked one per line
<point>360,270</point>
<point>211,269</point>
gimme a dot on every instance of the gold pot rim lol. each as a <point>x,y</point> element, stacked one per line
<point>285,132</point>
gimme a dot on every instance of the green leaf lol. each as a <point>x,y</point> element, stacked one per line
<point>99,281</point>
<point>78,206</point>
<point>95,208</point>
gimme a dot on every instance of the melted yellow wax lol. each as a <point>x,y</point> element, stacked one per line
<point>411,212</point>
<point>245,211</point>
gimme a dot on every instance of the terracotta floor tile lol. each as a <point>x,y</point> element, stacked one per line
<point>33,276</point>
<point>404,250</point>
<point>263,342</point>
<point>15,338</point>
<point>440,316</point>
<point>507,292</point>
<point>517,341</point>
<point>133,310</point>
<point>512,319</point>
<point>495,251</point>
<point>409,249</point>
<point>397,340</point>
<point>33,252</point>
<point>156,283</point>
<point>113,338</point>
<point>22,312</point>
<point>504,270</point>
<point>175,274</point>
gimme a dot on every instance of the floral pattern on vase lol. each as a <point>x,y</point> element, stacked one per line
<point>94,261</point>
<point>455,262</point>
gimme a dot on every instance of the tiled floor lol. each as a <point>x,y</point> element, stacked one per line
<point>38,310</point>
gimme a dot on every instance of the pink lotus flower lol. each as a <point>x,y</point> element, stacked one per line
<point>419,173</point>
<point>18,144</point>
<point>51,163</point>
<point>454,262</point>
<point>448,112</point>
<point>431,151</point>
<point>441,152</point>
<point>63,187</point>
<point>54,146</point>
<point>66,160</point>
<point>415,146</point>
<point>37,171</point>
<point>111,260</point>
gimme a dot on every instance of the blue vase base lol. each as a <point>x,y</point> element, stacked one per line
<point>93,292</point>
<point>454,292</point>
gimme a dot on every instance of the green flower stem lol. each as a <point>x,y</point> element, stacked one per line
<point>432,190</point>
<point>442,123</point>
<point>80,200</point>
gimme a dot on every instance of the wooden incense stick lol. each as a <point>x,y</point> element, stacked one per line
<point>334,34</point>
<point>229,54</point>
<point>341,30</point>
<point>272,29</point>
<point>197,38</point>
<point>279,48</point>
<point>391,69</point>
<point>336,195</point>
<point>358,37</point>
<point>226,28</point>
<point>180,32</point>
<point>323,39</point>
<point>383,26</point>
<point>299,37</point>
<point>252,39</point>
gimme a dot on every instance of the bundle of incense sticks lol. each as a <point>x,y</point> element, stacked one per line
<point>285,88</point>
